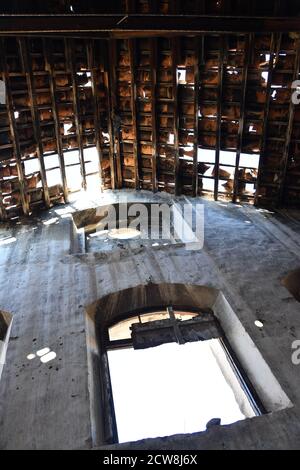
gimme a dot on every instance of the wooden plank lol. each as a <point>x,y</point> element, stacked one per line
<point>90,45</point>
<point>115,118</point>
<point>134,25</point>
<point>132,53</point>
<point>153,59</point>
<point>35,116</point>
<point>69,46</point>
<point>219,118</point>
<point>247,57</point>
<point>48,55</point>
<point>175,50</point>
<point>274,46</point>
<point>107,85</point>
<point>285,156</point>
<point>196,115</point>
<point>15,137</point>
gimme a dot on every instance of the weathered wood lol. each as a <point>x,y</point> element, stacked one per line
<point>247,56</point>
<point>15,136</point>
<point>71,65</point>
<point>219,117</point>
<point>115,124</point>
<point>132,53</point>
<point>90,48</point>
<point>288,136</point>
<point>175,47</point>
<point>48,54</point>
<point>153,59</point>
<point>196,116</point>
<point>35,116</point>
<point>106,80</point>
<point>137,25</point>
<point>274,49</point>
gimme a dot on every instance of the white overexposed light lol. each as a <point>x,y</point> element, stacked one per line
<point>31,356</point>
<point>43,351</point>
<point>259,323</point>
<point>48,357</point>
<point>172,389</point>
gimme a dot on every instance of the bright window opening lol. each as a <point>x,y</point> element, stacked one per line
<point>175,387</point>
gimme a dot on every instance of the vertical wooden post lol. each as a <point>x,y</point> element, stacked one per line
<point>115,130</point>
<point>48,53</point>
<point>15,137</point>
<point>153,46</point>
<point>98,129</point>
<point>275,40</point>
<point>219,117</point>
<point>132,51</point>
<point>247,55</point>
<point>175,113</point>
<point>196,117</point>
<point>69,45</point>
<point>107,85</point>
<point>35,116</point>
<point>285,157</point>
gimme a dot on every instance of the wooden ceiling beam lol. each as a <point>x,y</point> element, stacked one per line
<point>138,25</point>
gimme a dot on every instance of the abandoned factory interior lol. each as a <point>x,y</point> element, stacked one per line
<point>149,225</point>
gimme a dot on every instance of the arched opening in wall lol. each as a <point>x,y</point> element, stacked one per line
<point>167,354</point>
<point>173,372</point>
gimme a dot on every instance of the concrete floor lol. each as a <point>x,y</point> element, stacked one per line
<point>46,286</point>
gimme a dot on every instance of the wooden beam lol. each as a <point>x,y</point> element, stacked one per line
<point>90,46</point>
<point>107,85</point>
<point>274,49</point>
<point>285,156</point>
<point>115,118</point>
<point>175,49</point>
<point>196,116</point>
<point>247,57</point>
<point>139,25</point>
<point>15,136</point>
<point>35,116</point>
<point>69,45</point>
<point>219,117</point>
<point>153,63</point>
<point>132,53</point>
<point>48,55</point>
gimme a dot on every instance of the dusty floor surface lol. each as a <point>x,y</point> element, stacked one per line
<point>47,281</point>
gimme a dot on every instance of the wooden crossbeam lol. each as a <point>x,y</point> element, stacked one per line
<point>140,25</point>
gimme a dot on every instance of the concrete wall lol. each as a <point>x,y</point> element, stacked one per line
<point>47,287</point>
